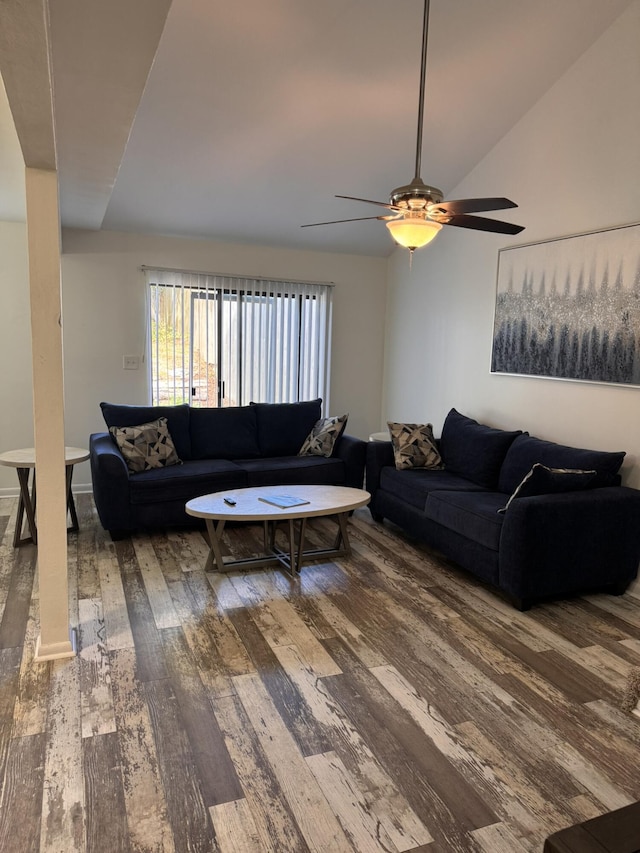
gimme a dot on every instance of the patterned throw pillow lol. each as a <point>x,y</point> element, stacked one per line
<point>146,446</point>
<point>551,481</point>
<point>414,446</point>
<point>322,438</point>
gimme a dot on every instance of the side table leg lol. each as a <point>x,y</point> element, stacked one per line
<point>26,504</point>
<point>17,533</point>
<point>71,506</point>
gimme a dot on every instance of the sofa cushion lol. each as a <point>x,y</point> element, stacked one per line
<point>117,415</point>
<point>283,427</point>
<point>471,514</point>
<point>323,436</point>
<point>473,450</point>
<point>413,486</point>
<point>526,450</point>
<point>414,446</point>
<point>186,481</point>
<point>293,470</point>
<point>228,433</point>
<point>551,481</point>
<point>146,446</point>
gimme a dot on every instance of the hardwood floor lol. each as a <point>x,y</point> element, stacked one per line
<point>387,702</point>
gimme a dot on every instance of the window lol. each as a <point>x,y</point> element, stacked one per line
<point>224,341</point>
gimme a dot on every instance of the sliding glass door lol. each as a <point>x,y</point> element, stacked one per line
<point>220,341</point>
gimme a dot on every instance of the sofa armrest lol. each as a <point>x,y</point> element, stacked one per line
<point>110,479</point>
<point>353,452</point>
<point>570,542</point>
<point>379,456</point>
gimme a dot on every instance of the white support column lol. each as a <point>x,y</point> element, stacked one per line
<point>103,55</point>
<point>43,233</point>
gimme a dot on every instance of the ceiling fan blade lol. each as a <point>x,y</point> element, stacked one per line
<point>474,205</point>
<point>480,223</point>
<point>337,221</point>
<point>369,201</point>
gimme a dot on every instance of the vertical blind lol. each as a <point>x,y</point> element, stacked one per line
<point>225,341</point>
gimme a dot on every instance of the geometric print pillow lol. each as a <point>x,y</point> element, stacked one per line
<point>322,438</point>
<point>414,446</point>
<point>146,446</point>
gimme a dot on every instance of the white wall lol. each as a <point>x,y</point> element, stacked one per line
<point>16,411</point>
<point>573,165</point>
<point>104,318</point>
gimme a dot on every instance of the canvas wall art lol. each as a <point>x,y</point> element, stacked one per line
<point>570,308</point>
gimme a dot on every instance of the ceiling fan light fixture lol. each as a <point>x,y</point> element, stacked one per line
<point>413,232</point>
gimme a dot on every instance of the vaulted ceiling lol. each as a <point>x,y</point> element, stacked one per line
<point>255,114</point>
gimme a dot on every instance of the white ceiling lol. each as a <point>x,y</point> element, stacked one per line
<point>255,114</point>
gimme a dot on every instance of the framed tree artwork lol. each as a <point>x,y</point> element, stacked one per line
<point>570,308</point>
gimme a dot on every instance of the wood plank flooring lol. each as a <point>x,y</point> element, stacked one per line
<point>385,702</point>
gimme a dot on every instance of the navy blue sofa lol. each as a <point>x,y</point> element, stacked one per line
<point>542,546</point>
<point>220,449</point>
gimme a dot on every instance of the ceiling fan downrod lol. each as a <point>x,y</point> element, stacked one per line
<point>417,189</point>
<point>423,76</point>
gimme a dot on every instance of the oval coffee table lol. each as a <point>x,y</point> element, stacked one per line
<point>252,505</point>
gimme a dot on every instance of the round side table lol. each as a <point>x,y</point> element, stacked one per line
<point>380,436</point>
<point>24,461</point>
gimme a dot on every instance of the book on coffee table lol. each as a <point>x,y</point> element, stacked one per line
<point>283,501</point>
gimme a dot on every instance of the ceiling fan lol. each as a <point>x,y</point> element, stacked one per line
<point>420,211</point>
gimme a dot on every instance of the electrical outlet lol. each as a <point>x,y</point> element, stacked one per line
<point>130,362</point>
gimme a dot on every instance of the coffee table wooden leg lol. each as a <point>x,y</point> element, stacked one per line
<point>301,536</point>
<point>215,553</point>
<point>26,505</point>
<point>292,545</point>
<point>343,536</point>
<point>272,536</point>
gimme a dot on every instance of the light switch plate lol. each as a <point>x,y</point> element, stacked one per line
<point>130,362</point>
